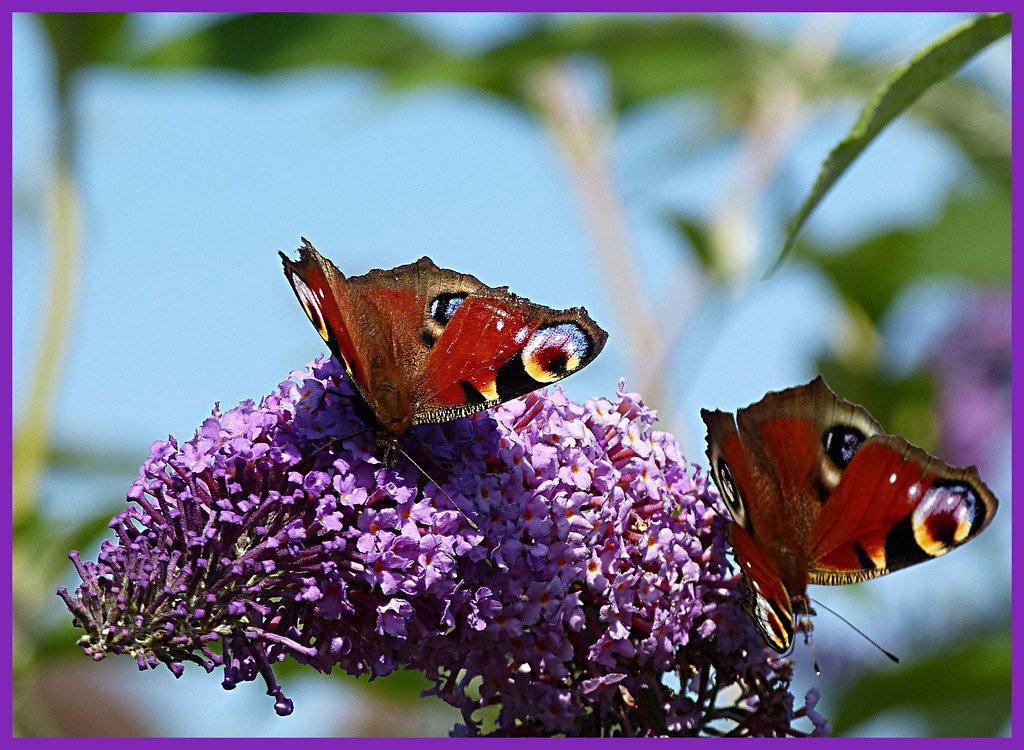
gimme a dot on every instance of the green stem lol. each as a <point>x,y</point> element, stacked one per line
<point>31,435</point>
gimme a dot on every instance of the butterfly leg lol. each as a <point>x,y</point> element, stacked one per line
<point>387,450</point>
<point>802,612</point>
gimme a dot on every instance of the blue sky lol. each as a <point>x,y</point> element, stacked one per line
<point>191,183</point>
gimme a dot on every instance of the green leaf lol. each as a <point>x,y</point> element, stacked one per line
<point>645,58</point>
<point>79,39</point>
<point>977,124</point>
<point>697,236</point>
<point>968,112</point>
<point>970,242</point>
<point>963,691</point>
<point>91,459</point>
<point>276,42</point>
<point>904,86</point>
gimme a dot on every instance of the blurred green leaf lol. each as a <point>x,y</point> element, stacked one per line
<point>645,58</point>
<point>975,123</point>
<point>80,39</point>
<point>400,685</point>
<point>697,235</point>
<point>903,405</point>
<point>960,691</point>
<point>906,84</point>
<point>87,459</point>
<point>275,42</point>
<point>970,241</point>
<point>42,544</point>
<point>57,642</point>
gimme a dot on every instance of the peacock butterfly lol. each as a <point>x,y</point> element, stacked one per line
<point>424,344</point>
<point>819,493</point>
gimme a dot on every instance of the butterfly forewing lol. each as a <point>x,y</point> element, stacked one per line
<point>321,290</point>
<point>799,434</point>
<point>733,472</point>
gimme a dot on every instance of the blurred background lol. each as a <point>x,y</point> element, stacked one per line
<point>642,166</point>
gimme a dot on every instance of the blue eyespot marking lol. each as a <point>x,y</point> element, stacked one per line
<point>444,306</point>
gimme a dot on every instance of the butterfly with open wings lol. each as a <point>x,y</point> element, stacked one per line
<point>424,344</point>
<point>819,493</point>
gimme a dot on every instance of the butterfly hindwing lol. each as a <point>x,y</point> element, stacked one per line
<point>495,347</point>
<point>767,601</point>
<point>895,506</point>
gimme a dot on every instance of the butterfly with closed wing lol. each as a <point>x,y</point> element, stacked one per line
<point>820,494</point>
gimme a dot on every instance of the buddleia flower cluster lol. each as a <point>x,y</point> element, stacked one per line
<point>972,364</point>
<point>590,595</point>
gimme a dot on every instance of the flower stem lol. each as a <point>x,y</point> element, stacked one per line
<point>31,437</point>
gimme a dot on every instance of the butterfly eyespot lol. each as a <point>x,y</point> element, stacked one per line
<point>440,313</point>
<point>444,306</point>
<point>727,486</point>
<point>841,443</point>
<point>554,351</point>
<point>945,517</point>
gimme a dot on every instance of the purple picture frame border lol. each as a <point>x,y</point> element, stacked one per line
<point>6,433</point>
<point>496,6</point>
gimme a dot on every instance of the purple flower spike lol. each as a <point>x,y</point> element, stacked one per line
<point>972,364</point>
<point>595,599</point>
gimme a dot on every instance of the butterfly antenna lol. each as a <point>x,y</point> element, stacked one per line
<point>345,397</point>
<point>864,635</point>
<point>814,655</point>
<point>336,441</point>
<point>438,485</point>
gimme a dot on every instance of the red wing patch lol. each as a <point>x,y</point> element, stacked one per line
<point>896,506</point>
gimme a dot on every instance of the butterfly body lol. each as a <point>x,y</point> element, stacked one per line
<point>820,494</point>
<point>425,345</point>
